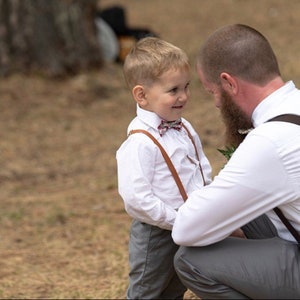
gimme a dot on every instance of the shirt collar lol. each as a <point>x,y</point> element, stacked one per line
<point>268,108</point>
<point>148,117</point>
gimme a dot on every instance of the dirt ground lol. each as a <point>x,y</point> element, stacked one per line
<point>63,229</point>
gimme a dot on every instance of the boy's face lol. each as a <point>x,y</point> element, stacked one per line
<point>168,95</point>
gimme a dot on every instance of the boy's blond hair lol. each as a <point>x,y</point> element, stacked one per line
<point>150,58</point>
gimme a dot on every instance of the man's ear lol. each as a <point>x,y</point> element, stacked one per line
<point>139,95</point>
<point>229,83</point>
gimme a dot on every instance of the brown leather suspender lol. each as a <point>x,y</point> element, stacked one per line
<point>295,119</point>
<point>287,224</point>
<point>197,155</point>
<point>168,160</point>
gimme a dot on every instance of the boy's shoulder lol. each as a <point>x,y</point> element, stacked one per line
<point>137,123</point>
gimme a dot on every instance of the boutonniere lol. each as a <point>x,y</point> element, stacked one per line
<point>245,131</point>
<point>228,151</point>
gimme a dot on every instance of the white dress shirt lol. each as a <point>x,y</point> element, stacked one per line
<point>264,172</point>
<point>145,182</point>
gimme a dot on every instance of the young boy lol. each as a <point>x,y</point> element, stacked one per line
<point>158,75</point>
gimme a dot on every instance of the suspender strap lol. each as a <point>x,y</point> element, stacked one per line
<point>167,159</point>
<point>287,118</point>
<point>287,224</point>
<point>295,119</point>
<point>197,155</point>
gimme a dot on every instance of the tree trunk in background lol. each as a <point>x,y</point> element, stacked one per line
<point>56,37</point>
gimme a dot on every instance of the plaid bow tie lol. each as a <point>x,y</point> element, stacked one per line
<point>165,125</point>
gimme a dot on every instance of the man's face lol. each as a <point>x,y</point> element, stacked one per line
<point>210,87</point>
<point>234,119</point>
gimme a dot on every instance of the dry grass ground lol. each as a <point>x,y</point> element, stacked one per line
<point>63,229</point>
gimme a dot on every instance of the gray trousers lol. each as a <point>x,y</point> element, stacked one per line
<point>263,266</point>
<point>151,254</point>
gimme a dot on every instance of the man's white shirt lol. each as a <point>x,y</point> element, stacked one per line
<point>264,172</point>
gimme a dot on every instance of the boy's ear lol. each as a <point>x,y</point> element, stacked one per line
<point>139,95</point>
<point>229,83</point>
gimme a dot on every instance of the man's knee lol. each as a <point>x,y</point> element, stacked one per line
<point>177,259</point>
<point>181,264</point>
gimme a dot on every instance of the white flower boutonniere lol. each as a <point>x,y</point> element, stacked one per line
<point>229,150</point>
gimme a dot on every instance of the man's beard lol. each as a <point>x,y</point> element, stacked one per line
<point>234,119</point>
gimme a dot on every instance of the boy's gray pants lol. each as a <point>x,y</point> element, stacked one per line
<point>151,254</point>
<point>263,266</point>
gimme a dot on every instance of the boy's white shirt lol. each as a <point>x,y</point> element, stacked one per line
<point>145,182</point>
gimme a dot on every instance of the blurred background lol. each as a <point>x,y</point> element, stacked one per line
<point>65,109</point>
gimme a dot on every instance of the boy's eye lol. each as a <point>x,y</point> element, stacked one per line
<point>173,90</point>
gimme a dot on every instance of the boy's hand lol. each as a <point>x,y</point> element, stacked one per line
<point>238,233</point>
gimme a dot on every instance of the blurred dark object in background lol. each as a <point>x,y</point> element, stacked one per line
<point>115,18</point>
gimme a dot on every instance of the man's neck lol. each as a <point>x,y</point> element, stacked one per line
<point>252,94</point>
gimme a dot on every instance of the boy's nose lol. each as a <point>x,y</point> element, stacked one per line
<point>183,96</point>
